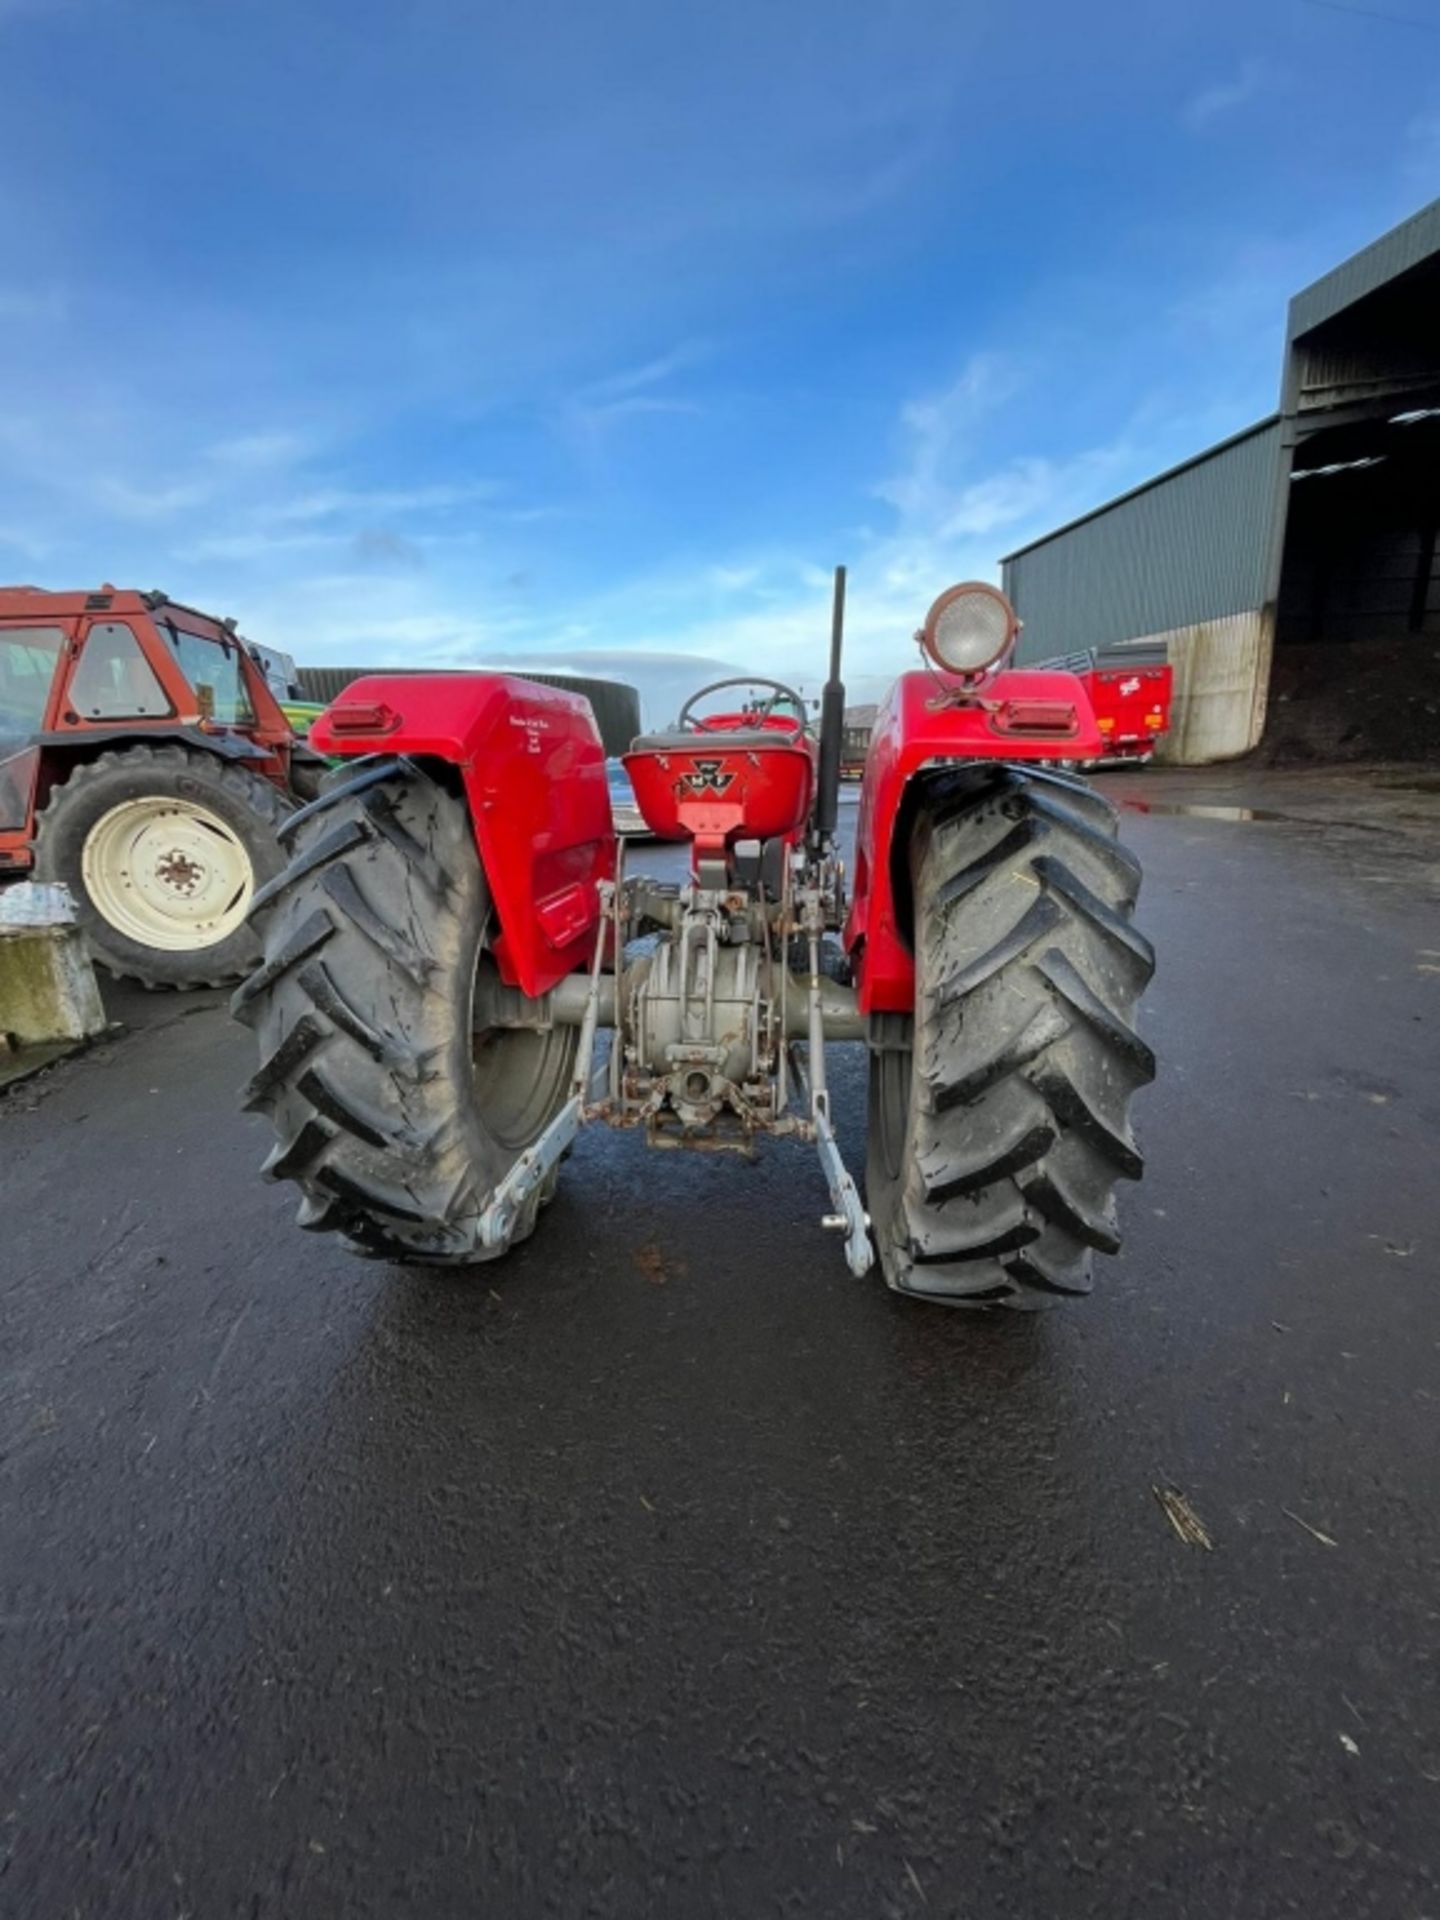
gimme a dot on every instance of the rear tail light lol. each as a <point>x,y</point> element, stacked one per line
<point>363,717</point>
<point>1037,716</point>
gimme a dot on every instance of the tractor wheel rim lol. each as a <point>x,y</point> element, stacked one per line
<point>167,873</point>
<point>521,1073</point>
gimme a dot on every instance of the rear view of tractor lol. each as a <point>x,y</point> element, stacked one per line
<point>145,763</point>
<point>457,929</point>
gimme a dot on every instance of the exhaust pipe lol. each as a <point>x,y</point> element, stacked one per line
<point>832,723</point>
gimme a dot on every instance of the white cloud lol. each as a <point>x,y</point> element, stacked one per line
<point>259,546</point>
<point>353,616</point>
<point>594,409</point>
<point>165,502</point>
<point>954,510</point>
<point>937,430</point>
<point>732,579</point>
<point>1222,98</point>
<point>668,629</point>
<point>380,503</point>
<point>651,373</point>
<point>956,507</point>
<point>634,406</point>
<point>671,628</point>
<point>827,203</point>
<point>1001,499</point>
<point>1033,490</point>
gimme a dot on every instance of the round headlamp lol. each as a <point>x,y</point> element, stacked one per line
<point>969,627</point>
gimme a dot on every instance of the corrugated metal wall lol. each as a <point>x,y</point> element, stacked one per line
<point>616,705</point>
<point>1193,545</point>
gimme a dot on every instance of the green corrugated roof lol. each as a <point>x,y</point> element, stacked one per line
<point>1394,253</point>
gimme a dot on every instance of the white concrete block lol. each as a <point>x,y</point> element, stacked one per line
<point>48,989</point>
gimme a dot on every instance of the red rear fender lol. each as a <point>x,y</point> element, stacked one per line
<point>534,772</point>
<point>1019,714</point>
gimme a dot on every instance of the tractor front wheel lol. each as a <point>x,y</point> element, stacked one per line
<point>163,850</point>
<point>399,1097</point>
<point>999,1111</point>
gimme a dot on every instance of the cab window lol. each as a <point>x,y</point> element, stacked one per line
<point>114,680</point>
<point>27,668</point>
<point>213,669</point>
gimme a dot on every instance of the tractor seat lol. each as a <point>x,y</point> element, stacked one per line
<point>743,740</point>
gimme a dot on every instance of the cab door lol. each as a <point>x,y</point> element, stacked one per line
<point>32,653</point>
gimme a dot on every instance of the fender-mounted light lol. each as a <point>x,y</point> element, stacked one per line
<point>969,628</point>
<point>362,716</point>
<point>1037,716</point>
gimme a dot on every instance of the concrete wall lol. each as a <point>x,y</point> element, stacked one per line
<point>1222,679</point>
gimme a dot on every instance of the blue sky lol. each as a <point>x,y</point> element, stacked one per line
<point>592,335</point>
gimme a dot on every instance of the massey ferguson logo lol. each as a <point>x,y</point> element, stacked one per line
<point>1129,686</point>
<point>706,776</point>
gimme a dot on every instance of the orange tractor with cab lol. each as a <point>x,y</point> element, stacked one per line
<point>145,763</point>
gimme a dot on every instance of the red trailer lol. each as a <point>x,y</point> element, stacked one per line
<point>1130,686</point>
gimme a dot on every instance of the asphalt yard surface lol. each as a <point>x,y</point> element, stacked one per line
<point>665,1569</point>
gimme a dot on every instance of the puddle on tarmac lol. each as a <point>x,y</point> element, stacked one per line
<point>1192,811</point>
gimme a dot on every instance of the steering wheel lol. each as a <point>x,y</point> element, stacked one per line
<point>687,723</point>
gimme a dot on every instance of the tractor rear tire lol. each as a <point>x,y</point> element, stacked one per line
<point>397,1109</point>
<point>999,1111</point>
<point>163,849</point>
<point>307,780</point>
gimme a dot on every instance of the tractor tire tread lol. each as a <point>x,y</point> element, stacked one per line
<point>369,773</point>
<point>361,1006</point>
<point>1024,1052</point>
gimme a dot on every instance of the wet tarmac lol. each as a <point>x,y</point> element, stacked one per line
<point>1179,810</point>
<point>664,1569</point>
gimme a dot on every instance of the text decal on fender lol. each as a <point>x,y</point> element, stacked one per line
<point>706,776</point>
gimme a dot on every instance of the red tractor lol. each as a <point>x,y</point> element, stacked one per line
<point>144,762</point>
<point>456,927</point>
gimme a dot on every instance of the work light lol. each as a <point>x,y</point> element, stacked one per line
<point>969,627</point>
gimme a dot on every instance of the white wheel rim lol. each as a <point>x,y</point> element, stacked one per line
<point>167,873</point>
